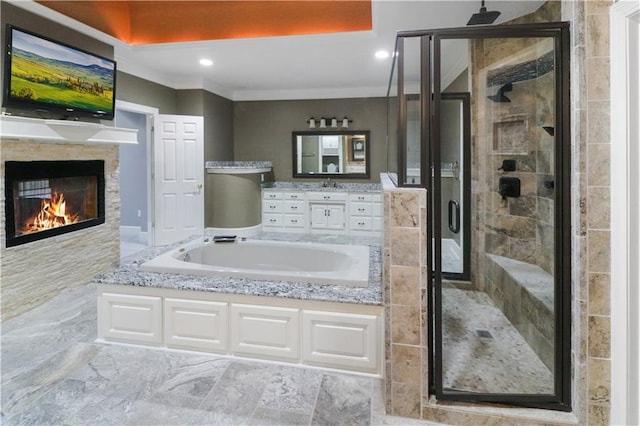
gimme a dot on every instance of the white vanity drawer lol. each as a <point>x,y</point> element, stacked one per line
<point>327,196</point>
<point>361,223</point>
<point>360,209</point>
<point>272,206</point>
<point>271,195</point>
<point>293,206</point>
<point>360,197</point>
<point>271,219</point>
<point>293,195</point>
<point>294,220</point>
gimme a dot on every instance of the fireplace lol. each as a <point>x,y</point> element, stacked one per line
<point>47,198</point>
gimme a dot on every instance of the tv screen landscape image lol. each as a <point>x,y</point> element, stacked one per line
<point>48,75</point>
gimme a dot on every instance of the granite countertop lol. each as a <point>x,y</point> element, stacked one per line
<point>238,165</point>
<point>129,274</point>
<point>318,186</point>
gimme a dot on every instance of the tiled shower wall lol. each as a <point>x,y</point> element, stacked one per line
<point>591,310</point>
<point>33,273</point>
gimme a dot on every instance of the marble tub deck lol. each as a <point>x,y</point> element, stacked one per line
<point>53,373</point>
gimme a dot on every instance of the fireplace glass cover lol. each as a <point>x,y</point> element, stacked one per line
<point>53,197</point>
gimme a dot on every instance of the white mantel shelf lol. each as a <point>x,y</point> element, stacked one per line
<point>61,131</point>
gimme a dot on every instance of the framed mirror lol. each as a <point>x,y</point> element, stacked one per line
<point>339,153</point>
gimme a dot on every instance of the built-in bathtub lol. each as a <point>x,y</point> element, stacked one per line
<point>332,264</point>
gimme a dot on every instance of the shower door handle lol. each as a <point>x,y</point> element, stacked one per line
<point>454,208</point>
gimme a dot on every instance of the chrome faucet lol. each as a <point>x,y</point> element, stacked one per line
<point>329,184</point>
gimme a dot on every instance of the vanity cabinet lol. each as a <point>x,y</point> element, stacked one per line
<point>327,211</point>
<point>322,212</point>
<point>365,213</point>
<point>284,211</point>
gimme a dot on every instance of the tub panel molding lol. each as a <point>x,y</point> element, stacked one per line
<point>197,324</point>
<point>341,336</point>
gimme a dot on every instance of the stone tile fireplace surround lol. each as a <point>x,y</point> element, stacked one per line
<point>33,273</point>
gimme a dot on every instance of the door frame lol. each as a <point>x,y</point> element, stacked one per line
<point>625,222</point>
<point>149,112</point>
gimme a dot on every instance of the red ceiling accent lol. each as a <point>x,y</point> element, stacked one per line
<point>147,22</point>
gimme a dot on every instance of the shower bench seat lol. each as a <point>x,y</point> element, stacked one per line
<point>525,293</point>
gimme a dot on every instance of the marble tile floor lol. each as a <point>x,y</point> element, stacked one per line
<point>53,373</point>
<point>129,248</point>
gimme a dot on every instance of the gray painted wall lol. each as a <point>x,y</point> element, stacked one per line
<point>218,121</point>
<point>262,129</point>
<point>137,90</point>
<point>133,172</point>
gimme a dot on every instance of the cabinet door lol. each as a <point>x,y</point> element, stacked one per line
<point>130,318</point>
<point>195,324</point>
<point>335,217</point>
<point>341,340</point>
<point>318,216</point>
<point>265,331</point>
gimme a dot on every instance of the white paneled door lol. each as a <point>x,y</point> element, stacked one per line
<point>178,177</point>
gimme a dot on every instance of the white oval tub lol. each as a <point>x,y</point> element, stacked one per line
<point>316,263</point>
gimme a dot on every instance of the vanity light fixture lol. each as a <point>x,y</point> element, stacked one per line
<point>332,123</point>
<point>382,54</point>
<point>206,62</point>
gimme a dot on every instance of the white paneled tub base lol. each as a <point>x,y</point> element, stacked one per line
<point>325,334</point>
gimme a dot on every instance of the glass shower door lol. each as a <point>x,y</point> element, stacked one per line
<point>499,323</point>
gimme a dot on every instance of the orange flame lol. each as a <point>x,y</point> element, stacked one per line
<point>52,214</point>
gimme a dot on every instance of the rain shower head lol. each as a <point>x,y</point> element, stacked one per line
<point>483,16</point>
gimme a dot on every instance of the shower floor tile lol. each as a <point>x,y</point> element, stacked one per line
<point>483,352</point>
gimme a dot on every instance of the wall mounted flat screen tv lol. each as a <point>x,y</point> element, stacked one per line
<point>47,76</point>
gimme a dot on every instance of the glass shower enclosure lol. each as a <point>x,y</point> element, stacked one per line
<point>479,117</point>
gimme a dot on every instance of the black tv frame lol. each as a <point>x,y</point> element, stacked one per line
<point>42,109</point>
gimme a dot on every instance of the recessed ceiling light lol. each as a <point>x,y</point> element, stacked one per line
<point>206,62</point>
<point>382,54</point>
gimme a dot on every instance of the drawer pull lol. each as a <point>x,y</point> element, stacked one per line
<point>327,197</point>
<point>360,210</point>
<point>294,220</point>
<point>360,198</point>
<point>294,207</point>
<point>272,220</point>
<point>361,223</point>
